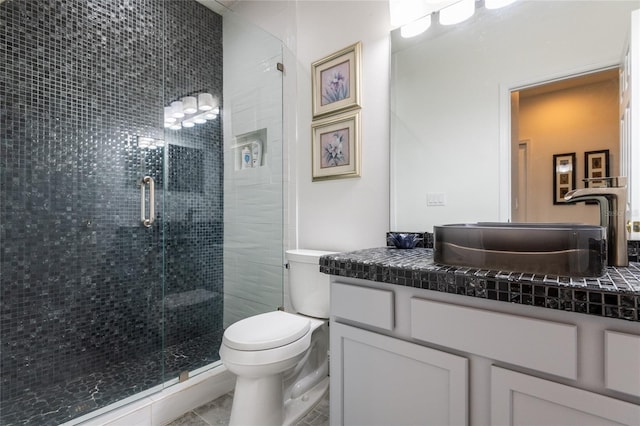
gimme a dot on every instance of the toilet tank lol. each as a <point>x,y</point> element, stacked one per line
<point>308,287</point>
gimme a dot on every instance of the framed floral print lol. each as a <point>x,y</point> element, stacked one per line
<point>335,144</point>
<point>336,81</point>
<point>564,176</point>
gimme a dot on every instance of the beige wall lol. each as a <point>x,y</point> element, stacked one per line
<point>579,120</point>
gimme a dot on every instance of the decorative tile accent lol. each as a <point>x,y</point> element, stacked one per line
<point>82,282</point>
<point>616,294</point>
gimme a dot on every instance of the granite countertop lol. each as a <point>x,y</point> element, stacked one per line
<point>615,295</point>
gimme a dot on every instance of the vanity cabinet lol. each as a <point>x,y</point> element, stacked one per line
<point>402,355</point>
<point>520,399</point>
<point>387,381</point>
<point>382,380</point>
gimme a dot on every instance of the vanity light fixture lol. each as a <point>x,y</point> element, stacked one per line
<point>191,110</point>
<point>177,110</point>
<point>206,102</point>
<point>189,105</point>
<point>402,12</point>
<point>150,143</point>
<point>416,27</point>
<point>414,16</point>
<point>168,116</point>
<point>457,12</point>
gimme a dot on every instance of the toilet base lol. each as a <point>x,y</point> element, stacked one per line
<point>258,401</point>
<point>283,391</point>
<point>296,409</point>
<point>271,411</point>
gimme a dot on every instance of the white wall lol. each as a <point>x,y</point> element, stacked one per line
<point>341,215</point>
<point>345,214</point>
<point>447,101</point>
<point>350,214</point>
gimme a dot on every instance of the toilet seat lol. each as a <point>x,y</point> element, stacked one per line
<point>265,331</point>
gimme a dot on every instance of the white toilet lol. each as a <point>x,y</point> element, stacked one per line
<point>281,359</point>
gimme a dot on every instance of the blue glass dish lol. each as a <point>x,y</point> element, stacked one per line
<point>403,241</point>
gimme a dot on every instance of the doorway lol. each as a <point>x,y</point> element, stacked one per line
<point>574,116</point>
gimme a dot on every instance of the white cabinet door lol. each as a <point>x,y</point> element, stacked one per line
<point>518,399</point>
<point>622,362</point>
<point>380,380</point>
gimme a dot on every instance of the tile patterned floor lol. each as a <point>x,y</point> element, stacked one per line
<point>60,402</point>
<point>217,412</point>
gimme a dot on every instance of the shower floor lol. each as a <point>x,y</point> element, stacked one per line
<point>62,402</point>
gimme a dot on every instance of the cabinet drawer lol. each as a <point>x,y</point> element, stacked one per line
<point>365,305</point>
<point>622,362</point>
<point>540,345</point>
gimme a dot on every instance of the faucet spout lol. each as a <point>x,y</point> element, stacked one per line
<point>613,203</point>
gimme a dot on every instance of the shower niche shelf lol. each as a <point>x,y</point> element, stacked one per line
<point>249,150</point>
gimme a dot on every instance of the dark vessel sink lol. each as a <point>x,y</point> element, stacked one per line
<point>541,248</point>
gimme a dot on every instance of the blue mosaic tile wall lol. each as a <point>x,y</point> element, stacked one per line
<point>81,281</point>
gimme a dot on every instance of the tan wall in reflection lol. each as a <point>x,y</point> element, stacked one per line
<point>577,119</point>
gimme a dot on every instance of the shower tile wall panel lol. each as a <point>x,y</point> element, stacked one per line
<point>80,278</point>
<point>194,201</point>
<point>253,259</point>
<point>259,290</point>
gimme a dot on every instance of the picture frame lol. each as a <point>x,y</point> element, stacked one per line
<point>335,144</point>
<point>335,81</point>
<point>564,176</point>
<point>596,165</point>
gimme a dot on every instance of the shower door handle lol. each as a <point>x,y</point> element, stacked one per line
<point>147,180</point>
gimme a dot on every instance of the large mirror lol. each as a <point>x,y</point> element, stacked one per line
<point>462,100</point>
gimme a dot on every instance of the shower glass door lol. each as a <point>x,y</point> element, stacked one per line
<point>253,192</point>
<point>193,186</point>
<point>81,276</point>
<point>127,245</point>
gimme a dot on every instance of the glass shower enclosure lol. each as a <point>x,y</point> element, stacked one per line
<point>120,231</point>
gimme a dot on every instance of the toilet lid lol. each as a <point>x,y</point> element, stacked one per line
<point>265,331</point>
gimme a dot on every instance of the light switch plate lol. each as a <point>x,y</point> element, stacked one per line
<point>436,199</point>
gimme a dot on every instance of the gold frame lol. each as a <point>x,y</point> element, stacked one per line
<point>351,123</point>
<point>351,54</point>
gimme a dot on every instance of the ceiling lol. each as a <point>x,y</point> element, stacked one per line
<point>611,74</point>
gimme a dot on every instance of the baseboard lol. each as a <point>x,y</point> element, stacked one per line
<point>168,404</point>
